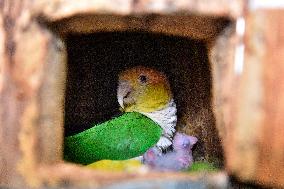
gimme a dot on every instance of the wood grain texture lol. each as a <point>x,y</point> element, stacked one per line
<point>221,56</point>
<point>224,82</point>
<point>3,167</point>
<point>32,89</point>
<point>59,9</point>
<point>32,83</point>
<point>12,93</point>
<point>270,167</point>
<point>254,146</point>
<point>64,175</point>
<point>25,72</point>
<point>199,27</point>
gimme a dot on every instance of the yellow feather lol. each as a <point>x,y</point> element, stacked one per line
<point>111,165</point>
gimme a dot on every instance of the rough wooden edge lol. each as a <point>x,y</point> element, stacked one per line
<point>246,122</point>
<point>247,109</point>
<point>196,27</point>
<point>2,59</point>
<point>26,66</point>
<point>259,100</point>
<point>52,99</point>
<point>59,9</point>
<point>63,173</point>
<point>21,76</point>
<point>272,130</point>
<point>222,62</point>
<point>41,132</point>
<point>26,75</point>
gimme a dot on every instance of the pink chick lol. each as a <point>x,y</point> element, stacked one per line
<point>178,159</point>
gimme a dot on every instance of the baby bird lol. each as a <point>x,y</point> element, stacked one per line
<point>178,159</point>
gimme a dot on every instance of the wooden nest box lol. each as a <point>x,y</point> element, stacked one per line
<point>58,66</point>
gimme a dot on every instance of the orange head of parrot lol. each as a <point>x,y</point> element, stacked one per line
<point>143,89</point>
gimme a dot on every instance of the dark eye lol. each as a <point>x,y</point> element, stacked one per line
<point>143,78</point>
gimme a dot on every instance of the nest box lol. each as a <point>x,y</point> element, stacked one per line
<point>223,59</point>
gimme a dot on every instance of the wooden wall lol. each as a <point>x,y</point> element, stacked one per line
<point>257,141</point>
<point>248,104</point>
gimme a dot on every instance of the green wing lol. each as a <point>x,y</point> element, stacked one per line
<point>124,137</point>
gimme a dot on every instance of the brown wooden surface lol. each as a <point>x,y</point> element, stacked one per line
<point>2,59</point>
<point>271,159</point>
<point>254,142</point>
<point>15,94</point>
<point>221,56</point>
<point>32,73</point>
<point>59,9</point>
<point>32,79</point>
<point>74,175</point>
<point>201,27</point>
<point>31,115</point>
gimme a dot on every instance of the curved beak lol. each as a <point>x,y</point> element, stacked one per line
<point>123,91</point>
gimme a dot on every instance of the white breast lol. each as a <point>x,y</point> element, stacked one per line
<point>167,119</point>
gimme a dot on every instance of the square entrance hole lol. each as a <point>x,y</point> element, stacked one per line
<point>98,48</point>
<point>180,50</point>
<point>95,60</point>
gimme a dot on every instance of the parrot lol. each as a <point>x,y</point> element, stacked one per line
<point>147,91</point>
<point>180,158</point>
<point>148,120</point>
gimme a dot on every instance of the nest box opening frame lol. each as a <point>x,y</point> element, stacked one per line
<point>95,60</point>
<point>96,56</point>
<point>36,93</point>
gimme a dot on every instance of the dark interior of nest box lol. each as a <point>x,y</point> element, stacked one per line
<point>95,59</point>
